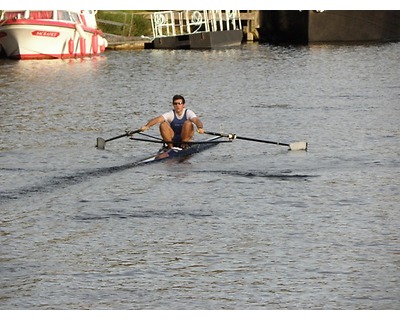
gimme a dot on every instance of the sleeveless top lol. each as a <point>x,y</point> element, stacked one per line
<point>176,125</point>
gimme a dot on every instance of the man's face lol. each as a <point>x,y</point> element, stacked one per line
<point>178,105</point>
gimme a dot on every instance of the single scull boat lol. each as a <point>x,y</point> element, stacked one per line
<point>179,153</point>
<point>193,146</point>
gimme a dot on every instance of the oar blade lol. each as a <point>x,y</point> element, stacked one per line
<point>301,145</point>
<point>101,143</point>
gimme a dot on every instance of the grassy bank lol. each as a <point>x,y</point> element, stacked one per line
<point>125,23</point>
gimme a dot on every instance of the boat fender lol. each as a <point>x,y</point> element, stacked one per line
<point>103,45</point>
<point>95,43</point>
<point>71,46</point>
<point>82,44</point>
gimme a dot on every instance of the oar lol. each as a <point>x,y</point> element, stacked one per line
<point>101,143</point>
<point>301,145</point>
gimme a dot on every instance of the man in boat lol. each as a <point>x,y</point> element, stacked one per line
<point>177,125</point>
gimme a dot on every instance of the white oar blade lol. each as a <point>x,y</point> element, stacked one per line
<point>101,143</point>
<point>301,145</point>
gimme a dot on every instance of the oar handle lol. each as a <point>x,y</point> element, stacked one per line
<point>228,135</point>
<point>187,142</point>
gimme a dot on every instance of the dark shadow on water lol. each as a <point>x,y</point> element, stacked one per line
<point>84,175</point>
<point>283,176</point>
<point>110,214</point>
<point>64,181</point>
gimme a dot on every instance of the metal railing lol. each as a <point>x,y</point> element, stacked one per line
<point>174,23</point>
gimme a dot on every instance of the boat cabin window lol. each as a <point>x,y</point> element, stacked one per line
<point>74,16</point>
<point>68,16</point>
<point>28,14</point>
<point>13,15</point>
<point>41,15</point>
<point>63,15</point>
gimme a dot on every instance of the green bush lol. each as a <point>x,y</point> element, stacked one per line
<point>124,23</point>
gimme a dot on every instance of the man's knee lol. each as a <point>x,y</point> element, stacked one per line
<point>164,124</point>
<point>188,125</point>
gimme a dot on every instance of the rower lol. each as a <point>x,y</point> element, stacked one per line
<point>177,125</point>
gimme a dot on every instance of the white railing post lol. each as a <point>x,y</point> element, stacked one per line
<point>173,23</point>
<point>206,22</point>
<point>181,22</point>
<point>187,21</point>
<point>214,22</point>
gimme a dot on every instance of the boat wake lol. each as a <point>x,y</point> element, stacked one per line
<point>283,176</point>
<point>81,176</point>
<point>64,181</point>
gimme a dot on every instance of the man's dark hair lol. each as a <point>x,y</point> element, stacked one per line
<point>178,97</point>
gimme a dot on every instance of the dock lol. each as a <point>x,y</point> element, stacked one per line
<point>250,22</point>
<point>116,42</point>
<point>196,29</point>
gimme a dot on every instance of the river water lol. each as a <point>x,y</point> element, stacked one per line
<point>244,225</point>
